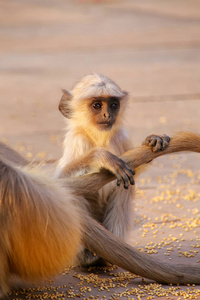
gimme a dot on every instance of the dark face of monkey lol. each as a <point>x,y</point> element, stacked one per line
<point>104,111</point>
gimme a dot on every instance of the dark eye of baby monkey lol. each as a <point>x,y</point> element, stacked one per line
<point>97,105</point>
<point>112,103</point>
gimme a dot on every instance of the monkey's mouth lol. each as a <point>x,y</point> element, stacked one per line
<point>105,125</point>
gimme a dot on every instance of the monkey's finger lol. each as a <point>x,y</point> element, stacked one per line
<point>152,143</point>
<point>148,140</point>
<point>122,176</point>
<point>132,181</point>
<point>158,146</point>
<point>119,177</point>
<point>164,145</point>
<point>129,169</point>
<point>126,184</point>
<point>166,138</point>
<point>129,174</point>
<point>161,143</point>
<point>123,172</point>
<point>133,172</point>
<point>125,179</point>
<point>119,182</point>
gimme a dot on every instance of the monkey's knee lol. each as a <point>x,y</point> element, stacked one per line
<point>90,259</point>
<point>157,143</point>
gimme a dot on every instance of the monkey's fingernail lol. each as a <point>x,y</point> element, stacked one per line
<point>126,186</point>
<point>118,182</point>
<point>166,137</point>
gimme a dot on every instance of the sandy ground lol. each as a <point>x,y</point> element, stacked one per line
<point>151,48</point>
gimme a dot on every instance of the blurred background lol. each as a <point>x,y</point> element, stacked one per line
<point>151,48</point>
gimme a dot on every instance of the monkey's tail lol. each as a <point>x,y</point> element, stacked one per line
<point>39,225</point>
<point>109,247</point>
<point>114,250</point>
<point>184,141</point>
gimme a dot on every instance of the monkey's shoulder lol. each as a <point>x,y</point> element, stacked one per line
<point>76,145</point>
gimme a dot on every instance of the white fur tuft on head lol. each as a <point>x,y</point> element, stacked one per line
<point>96,85</point>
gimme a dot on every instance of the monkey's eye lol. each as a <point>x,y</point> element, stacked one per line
<point>114,105</point>
<point>97,105</point>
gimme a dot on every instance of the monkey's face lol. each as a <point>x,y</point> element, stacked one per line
<point>104,112</point>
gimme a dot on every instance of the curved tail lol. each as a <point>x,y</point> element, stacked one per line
<point>109,247</point>
<point>114,250</point>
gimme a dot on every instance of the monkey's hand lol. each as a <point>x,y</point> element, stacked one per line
<point>156,142</point>
<point>106,160</point>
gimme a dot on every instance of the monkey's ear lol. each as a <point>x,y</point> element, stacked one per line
<point>125,94</point>
<point>64,104</point>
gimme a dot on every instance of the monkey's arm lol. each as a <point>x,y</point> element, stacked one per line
<point>91,183</point>
<point>98,159</point>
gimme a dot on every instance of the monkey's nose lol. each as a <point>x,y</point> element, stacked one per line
<point>106,116</point>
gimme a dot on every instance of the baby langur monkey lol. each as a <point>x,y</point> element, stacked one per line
<point>95,137</point>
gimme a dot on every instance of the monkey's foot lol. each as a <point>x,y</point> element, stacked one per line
<point>89,259</point>
<point>156,142</point>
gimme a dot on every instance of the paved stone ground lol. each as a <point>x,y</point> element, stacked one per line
<point>151,48</point>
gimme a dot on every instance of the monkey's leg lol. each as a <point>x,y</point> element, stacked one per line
<point>118,212</point>
<point>117,218</point>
